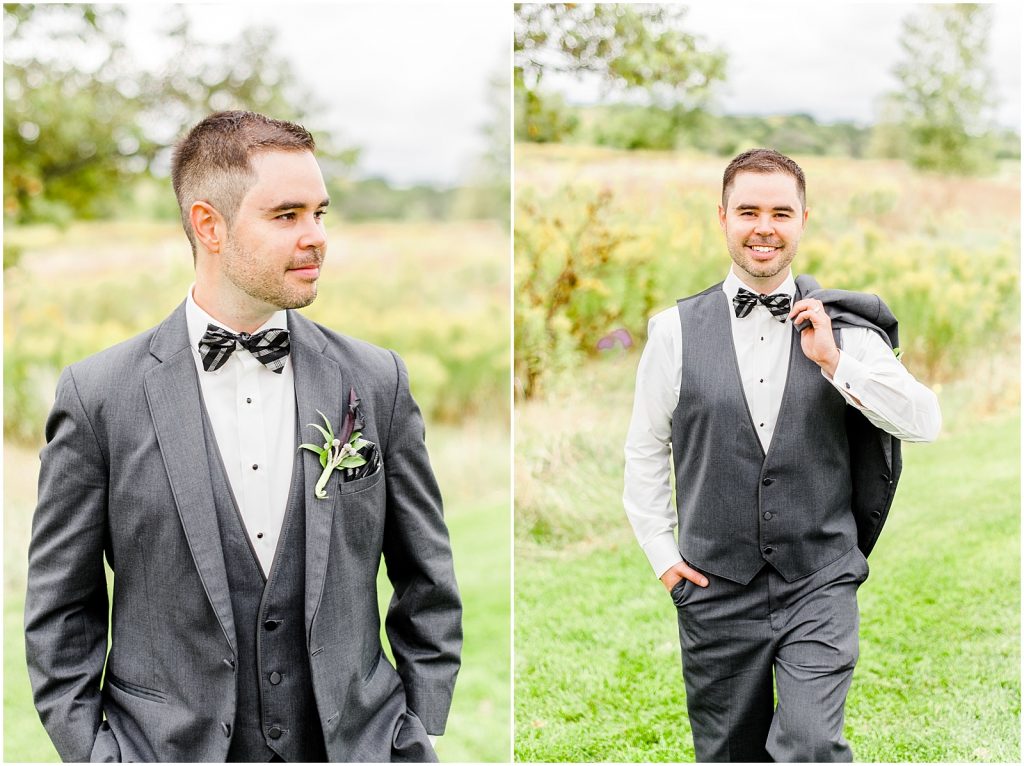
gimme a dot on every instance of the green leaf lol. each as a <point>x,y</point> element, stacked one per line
<point>354,436</point>
<point>327,437</point>
<point>358,444</point>
<point>330,431</point>
<point>313,448</point>
<point>323,458</point>
<point>353,461</point>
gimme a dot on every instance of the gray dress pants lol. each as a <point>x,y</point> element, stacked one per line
<point>733,638</point>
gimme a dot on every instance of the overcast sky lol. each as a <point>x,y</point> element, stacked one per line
<point>830,60</point>
<point>406,82</point>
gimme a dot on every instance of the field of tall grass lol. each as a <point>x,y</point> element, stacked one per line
<point>603,240</point>
<point>436,293</point>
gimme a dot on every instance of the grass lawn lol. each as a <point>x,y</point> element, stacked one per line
<point>597,665</point>
<point>477,510</point>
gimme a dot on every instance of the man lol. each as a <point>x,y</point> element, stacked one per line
<point>245,624</point>
<point>761,421</point>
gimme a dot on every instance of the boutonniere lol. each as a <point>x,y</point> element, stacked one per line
<point>340,451</point>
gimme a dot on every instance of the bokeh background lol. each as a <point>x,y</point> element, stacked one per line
<point>410,108</point>
<point>906,121</point>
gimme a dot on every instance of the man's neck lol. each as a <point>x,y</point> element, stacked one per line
<point>235,318</point>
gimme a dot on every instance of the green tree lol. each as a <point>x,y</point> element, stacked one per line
<point>83,121</point>
<point>943,112</point>
<point>640,48</point>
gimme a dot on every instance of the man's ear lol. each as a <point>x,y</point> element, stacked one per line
<point>721,217</point>
<point>208,225</point>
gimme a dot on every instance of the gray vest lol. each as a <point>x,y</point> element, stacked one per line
<point>739,507</point>
<point>276,712</point>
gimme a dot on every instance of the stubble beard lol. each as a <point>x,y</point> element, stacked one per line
<point>766,270</point>
<point>264,286</point>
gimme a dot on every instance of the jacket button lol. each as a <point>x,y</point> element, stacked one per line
<point>768,481</point>
<point>226,728</point>
<point>275,732</point>
<point>767,515</point>
<point>768,549</point>
<point>271,624</point>
<point>275,678</point>
<point>876,514</point>
<point>229,662</point>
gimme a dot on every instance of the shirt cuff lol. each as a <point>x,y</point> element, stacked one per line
<point>663,553</point>
<point>849,378</point>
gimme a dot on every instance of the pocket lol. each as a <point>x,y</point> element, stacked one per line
<point>678,592</point>
<point>359,485</point>
<point>105,748</point>
<point>135,690</point>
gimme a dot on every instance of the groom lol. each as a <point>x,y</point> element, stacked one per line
<point>245,623</point>
<point>779,408</point>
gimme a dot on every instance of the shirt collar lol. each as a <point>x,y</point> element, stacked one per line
<point>732,285</point>
<point>197,320</point>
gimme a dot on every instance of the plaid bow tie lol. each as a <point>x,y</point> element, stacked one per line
<point>777,303</point>
<point>270,347</point>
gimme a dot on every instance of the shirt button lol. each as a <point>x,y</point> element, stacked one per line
<point>254,466</point>
<point>767,516</point>
<point>275,678</point>
<point>275,732</point>
<point>259,535</point>
<point>248,400</point>
<point>847,386</point>
<point>762,380</point>
<point>762,425</point>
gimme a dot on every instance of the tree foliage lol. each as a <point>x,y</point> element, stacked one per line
<point>641,48</point>
<point>82,118</point>
<point>942,114</point>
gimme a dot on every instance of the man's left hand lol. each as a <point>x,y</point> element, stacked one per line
<point>816,341</point>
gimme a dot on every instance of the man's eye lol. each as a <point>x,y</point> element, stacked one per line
<point>320,214</point>
<point>286,217</point>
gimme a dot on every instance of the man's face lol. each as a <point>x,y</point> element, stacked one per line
<point>763,222</point>
<point>277,242</point>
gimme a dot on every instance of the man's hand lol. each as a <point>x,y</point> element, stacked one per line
<point>816,341</point>
<point>682,572</point>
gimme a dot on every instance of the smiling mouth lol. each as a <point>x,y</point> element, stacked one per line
<point>763,248</point>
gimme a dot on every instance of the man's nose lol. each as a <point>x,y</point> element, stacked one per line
<point>764,225</point>
<point>313,234</point>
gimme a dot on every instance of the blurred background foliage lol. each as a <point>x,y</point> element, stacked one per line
<point>94,254</point>
<point>658,81</point>
<point>908,207</point>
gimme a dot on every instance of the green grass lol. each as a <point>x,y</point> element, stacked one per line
<point>597,666</point>
<point>478,519</point>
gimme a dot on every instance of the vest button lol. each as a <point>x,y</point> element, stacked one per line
<point>767,515</point>
<point>226,728</point>
<point>768,481</point>
<point>768,550</point>
<point>271,624</point>
<point>275,732</point>
<point>275,678</point>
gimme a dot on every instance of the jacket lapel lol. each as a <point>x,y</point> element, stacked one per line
<point>172,391</point>
<point>319,385</point>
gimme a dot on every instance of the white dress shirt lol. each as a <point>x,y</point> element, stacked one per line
<point>252,410</point>
<point>868,376</point>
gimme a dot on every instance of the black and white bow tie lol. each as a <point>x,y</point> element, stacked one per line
<point>777,303</point>
<point>270,347</point>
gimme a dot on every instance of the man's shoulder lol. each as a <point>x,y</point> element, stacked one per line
<point>350,352</point>
<point>120,362</point>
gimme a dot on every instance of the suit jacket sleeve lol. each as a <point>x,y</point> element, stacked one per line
<point>66,602</point>
<point>424,619</point>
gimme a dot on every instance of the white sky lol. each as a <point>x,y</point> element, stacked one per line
<point>405,82</point>
<point>830,60</point>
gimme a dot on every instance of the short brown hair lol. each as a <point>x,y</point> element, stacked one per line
<point>212,163</point>
<point>763,161</point>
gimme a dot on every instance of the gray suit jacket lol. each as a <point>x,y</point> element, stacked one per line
<point>124,473</point>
